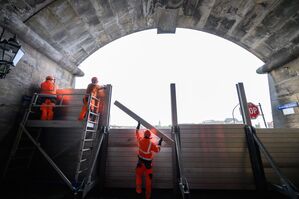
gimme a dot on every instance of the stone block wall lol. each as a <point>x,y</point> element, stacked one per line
<point>24,79</point>
<point>284,88</point>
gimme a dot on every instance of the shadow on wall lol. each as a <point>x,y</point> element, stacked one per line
<point>10,130</point>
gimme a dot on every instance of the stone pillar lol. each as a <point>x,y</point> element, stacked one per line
<point>24,79</point>
<point>284,88</point>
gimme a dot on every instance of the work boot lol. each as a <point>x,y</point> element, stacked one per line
<point>139,195</point>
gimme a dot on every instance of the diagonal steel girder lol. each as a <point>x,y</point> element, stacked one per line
<point>144,123</point>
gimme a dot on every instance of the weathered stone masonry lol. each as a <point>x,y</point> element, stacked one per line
<point>24,79</point>
<point>284,88</point>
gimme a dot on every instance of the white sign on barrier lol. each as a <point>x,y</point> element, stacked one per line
<point>288,111</point>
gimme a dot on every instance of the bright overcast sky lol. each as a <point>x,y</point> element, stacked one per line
<point>205,68</point>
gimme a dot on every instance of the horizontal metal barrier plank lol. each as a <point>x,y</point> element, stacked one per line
<point>214,156</point>
<point>210,126</point>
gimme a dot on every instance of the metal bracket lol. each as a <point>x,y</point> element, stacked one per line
<point>184,188</point>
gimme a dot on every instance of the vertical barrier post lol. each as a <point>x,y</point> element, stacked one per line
<point>243,104</point>
<point>105,122</point>
<point>254,152</point>
<point>180,183</point>
<point>174,157</point>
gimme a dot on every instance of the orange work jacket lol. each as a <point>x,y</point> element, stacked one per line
<point>48,87</point>
<point>93,89</point>
<point>146,147</point>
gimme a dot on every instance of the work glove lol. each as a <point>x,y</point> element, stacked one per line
<point>138,126</point>
<point>160,141</point>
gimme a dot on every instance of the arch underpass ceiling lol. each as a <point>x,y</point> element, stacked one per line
<point>68,31</point>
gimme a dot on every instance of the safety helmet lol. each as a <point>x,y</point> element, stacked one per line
<point>147,133</point>
<point>94,80</point>
<point>49,77</point>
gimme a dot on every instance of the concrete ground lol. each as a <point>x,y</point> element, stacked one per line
<point>130,194</point>
<point>23,190</point>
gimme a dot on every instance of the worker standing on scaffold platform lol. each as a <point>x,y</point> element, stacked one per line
<point>145,156</point>
<point>48,97</point>
<point>93,89</point>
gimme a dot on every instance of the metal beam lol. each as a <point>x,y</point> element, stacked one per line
<point>144,123</point>
<point>52,163</point>
<point>256,160</point>
<point>287,187</point>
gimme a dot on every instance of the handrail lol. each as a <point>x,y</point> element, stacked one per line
<point>35,104</point>
<point>56,95</point>
<point>287,186</point>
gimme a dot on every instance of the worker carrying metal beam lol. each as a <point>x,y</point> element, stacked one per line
<point>145,156</point>
<point>93,89</point>
<point>48,97</point>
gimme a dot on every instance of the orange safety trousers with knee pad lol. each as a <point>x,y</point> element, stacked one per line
<point>47,110</point>
<point>143,169</point>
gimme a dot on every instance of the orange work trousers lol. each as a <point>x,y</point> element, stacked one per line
<point>47,111</point>
<point>148,172</point>
<point>93,106</point>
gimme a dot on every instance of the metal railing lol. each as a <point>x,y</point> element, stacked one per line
<point>61,99</point>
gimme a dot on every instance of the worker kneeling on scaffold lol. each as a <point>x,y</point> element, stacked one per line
<point>145,156</point>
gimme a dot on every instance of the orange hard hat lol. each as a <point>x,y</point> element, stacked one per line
<point>147,134</point>
<point>49,77</point>
<point>94,80</point>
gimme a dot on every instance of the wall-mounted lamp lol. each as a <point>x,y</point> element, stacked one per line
<point>10,54</point>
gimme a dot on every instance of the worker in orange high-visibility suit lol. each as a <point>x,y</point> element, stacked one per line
<point>145,156</point>
<point>48,92</point>
<point>92,89</point>
<point>47,110</point>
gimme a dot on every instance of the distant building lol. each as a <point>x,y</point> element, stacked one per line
<point>226,121</point>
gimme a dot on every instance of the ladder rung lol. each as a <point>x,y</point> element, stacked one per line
<point>91,130</point>
<point>93,105</point>
<point>88,140</point>
<point>92,113</point>
<point>86,149</point>
<point>90,125</point>
<point>92,122</point>
<point>83,160</point>
<point>82,170</point>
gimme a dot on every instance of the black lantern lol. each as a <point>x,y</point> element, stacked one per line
<point>10,55</point>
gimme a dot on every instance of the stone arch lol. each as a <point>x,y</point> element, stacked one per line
<point>58,35</point>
